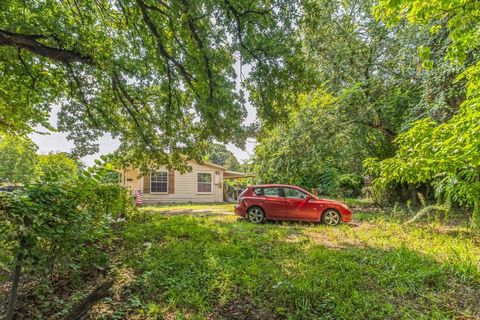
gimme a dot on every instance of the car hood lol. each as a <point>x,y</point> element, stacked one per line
<point>328,201</point>
<point>331,202</point>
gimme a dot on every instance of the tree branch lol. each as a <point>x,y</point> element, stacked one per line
<point>30,43</point>
<point>161,48</point>
<point>237,16</point>
<point>201,47</point>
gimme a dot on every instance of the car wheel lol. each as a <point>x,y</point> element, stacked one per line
<point>256,215</point>
<point>331,217</point>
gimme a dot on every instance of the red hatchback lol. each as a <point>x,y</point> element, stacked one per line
<point>284,202</point>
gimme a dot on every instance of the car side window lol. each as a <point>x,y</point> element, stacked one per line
<point>258,191</point>
<point>293,193</point>
<point>271,192</point>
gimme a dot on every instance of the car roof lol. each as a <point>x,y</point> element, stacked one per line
<point>274,185</point>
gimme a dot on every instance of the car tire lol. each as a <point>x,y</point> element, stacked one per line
<point>256,215</point>
<point>331,217</point>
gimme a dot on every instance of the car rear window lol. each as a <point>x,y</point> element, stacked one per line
<point>271,192</point>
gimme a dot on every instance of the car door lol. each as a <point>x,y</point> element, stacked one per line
<point>297,205</point>
<point>273,203</point>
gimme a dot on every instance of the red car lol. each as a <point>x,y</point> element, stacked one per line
<point>285,202</point>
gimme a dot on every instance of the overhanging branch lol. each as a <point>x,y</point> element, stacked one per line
<point>30,43</point>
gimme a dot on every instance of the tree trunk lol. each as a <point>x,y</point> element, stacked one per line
<point>12,299</point>
<point>413,194</point>
<point>475,223</point>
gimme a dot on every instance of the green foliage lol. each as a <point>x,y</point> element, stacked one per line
<point>315,148</point>
<point>20,164</point>
<point>350,185</point>
<point>219,154</point>
<point>17,159</point>
<point>57,166</point>
<point>60,228</point>
<point>448,154</point>
<point>367,73</point>
<point>163,73</point>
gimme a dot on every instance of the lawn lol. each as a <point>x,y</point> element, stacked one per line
<point>215,266</point>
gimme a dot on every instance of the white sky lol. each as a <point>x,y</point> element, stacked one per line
<point>57,141</point>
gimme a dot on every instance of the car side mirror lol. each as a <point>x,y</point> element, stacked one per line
<point>308,197</point>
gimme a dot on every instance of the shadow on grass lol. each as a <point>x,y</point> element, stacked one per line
<point>204,268</point>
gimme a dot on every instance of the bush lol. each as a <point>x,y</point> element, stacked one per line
<point>61,227</point>
<point>350,185</point>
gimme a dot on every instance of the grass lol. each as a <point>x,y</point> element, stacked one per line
<point>214,266</point>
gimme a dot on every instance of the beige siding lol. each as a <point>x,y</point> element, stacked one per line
<point>186,186</point>
<point>130,179</point>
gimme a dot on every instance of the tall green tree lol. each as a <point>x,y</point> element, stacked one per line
<point>362,81</point>
<point>158,75</point>
<point>18,160</point>
<point>219,154</point>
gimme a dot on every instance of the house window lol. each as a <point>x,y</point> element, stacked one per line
<point>204,182</point>
<point>159,181</point>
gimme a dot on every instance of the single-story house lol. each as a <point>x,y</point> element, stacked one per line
<point>203,183</point>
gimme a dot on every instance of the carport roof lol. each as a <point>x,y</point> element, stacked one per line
<point>237,175</point>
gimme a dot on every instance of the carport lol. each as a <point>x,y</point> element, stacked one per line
<point>237,177</point>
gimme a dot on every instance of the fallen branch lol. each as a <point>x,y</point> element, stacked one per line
<point>89,301</point>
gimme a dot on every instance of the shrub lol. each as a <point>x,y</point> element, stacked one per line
<point>350,185</point>
<point>61,227</point>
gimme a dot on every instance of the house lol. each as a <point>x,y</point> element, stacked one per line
<point>203,183</point>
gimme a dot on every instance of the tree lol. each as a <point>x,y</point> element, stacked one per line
<point>361,83</point>
<point>306,152</point>
<point>18,160</point>
<point>449,150</point>
<point>158,75</point>
<point>219,154</point>
<point>57,166</point>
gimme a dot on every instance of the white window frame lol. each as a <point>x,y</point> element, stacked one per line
<point>151,181</point>
<point>211,173</point>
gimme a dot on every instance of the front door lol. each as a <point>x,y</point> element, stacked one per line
<point>298,207</point>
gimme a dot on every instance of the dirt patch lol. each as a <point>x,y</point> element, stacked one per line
<point>199,212</point>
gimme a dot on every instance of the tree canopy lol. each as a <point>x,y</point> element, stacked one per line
<point>219,154</point>
<point>158,75</point>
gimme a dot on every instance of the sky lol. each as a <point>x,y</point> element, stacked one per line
<point>48,141</point>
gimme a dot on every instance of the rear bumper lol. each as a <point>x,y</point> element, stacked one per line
<point>240,210</point>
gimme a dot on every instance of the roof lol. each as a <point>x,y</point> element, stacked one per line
<point>210,164</point>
